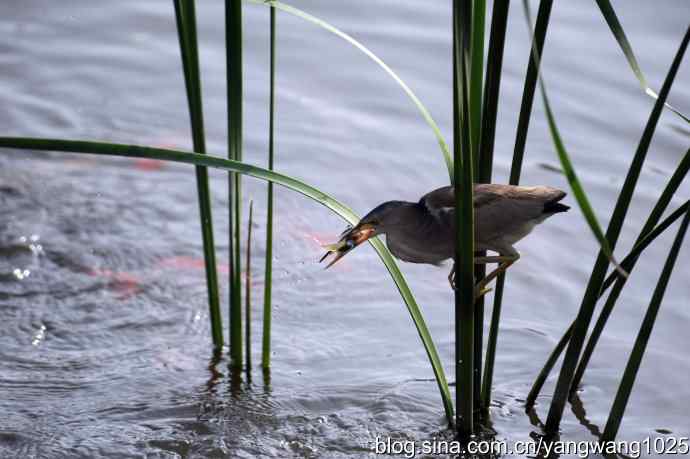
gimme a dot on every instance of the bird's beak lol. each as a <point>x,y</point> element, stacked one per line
<point>351,238</point>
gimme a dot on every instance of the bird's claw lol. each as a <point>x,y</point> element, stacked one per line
<point>478,293</point>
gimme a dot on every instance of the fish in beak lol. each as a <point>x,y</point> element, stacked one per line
<point>349,239</point>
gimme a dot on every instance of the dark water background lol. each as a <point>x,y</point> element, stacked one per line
<point>104,342</point>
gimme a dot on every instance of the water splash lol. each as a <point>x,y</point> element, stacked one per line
<point>39,337</point>
<point>21,274</point>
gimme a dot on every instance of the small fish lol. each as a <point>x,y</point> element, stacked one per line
<point>349,239</point>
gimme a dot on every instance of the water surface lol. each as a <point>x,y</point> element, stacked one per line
<point>104,350</point>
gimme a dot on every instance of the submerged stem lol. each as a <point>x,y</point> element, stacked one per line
<point>233,50</point>
<point>186,28</point>
<point>268,275</point>
<point>248,291</point>
<point>633,365</point>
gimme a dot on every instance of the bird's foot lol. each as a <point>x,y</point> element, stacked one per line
<point>481,291</point>
<point>478,291</point>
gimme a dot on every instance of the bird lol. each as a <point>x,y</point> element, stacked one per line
<point>424,231</point>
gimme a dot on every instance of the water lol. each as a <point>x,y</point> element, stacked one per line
<point>104,349</point>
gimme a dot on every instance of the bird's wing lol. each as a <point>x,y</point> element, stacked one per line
<point>489,193</point>
<point>438,199</point>
<point>513,211</point>
<point>444,198</point>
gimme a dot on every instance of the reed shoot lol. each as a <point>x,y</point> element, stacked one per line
<point>233,49</point>
<point>563,385</point>
<point>633,365</point>
<point>186,28</point>
<point>164,154</point>
<point>464,246</point>
<point>268,276</point>
<point>248,293</point>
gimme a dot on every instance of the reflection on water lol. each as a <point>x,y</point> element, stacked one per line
<point>104,349</point>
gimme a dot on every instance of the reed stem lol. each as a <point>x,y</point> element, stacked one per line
<point>655,215</point>
<point>248,292</point>
<point>186,27</point>
<point>494,66</point>
<point>268,276</point>
<point>166,154</point>
<point>584,317</point>
<point>633,365</point>
<point>628,263</point>
<point>538,39</point>
<point>536,51</point>
<point>614,24</point>
<point>464,248</point>
<point>476,68</point>
<point>233,49</point>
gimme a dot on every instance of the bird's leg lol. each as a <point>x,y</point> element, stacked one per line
<point>479,261</point>
<point>504,262</point>
<point>507,261</point>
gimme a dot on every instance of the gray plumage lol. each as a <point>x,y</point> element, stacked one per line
<point>424,231</point>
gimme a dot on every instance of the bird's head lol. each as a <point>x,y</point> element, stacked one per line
<point>378,221</point>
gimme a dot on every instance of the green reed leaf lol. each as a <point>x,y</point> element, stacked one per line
<point>647,234</point>
<point>418,103</point>
<point>499,21</point>
<point>614,24</point>
<point>268,276</point>
<point>475,90</point>
<point>136,151</point>
<point>248,291</point>
<point>464,246</point>
<point>565,379</point>
<point>233,59</point>
<point>628,263</point>
<point>186,28</point>
<point>635,360</point>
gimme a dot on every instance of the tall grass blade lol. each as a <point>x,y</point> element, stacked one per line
<point>564,158</point>
<point>475,109</point>
<point>659,208</point>
<point>418,103</point>
<point>248,292</point>
<point>633,365</point>
<point>180,23</point>
<point>464,246</point>
<point>531,77</point>
<point>648,233</point>
<point>233,57</point>
<point>476,76</point>
<point>628,264</point>
<point>494,66</point>
<point>268,276</point>
<point>136,151</point>
<point>618,32</point>
<point>629,261</point>
<point>186,28</point>
<point>584,317</point>
<point>539,382</point>
<point>578,190</point>
<point>539,36</point>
